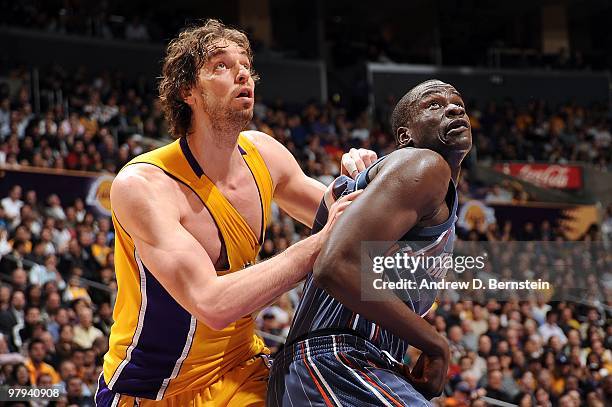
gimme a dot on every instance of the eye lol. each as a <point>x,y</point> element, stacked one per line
<point>434,105</point>
<point>220,65</point>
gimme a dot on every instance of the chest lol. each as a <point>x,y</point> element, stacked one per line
<point>242,194</point>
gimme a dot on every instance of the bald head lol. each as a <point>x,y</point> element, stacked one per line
<point>402,114</point>
<point>432,116</point>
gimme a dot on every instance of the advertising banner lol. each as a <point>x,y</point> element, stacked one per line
<point>545,175</point>
<point>93,188</point>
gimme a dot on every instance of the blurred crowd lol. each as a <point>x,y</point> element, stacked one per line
<point>57,267</point>
<point>536,131</point>
<point>350,38</point>
<point>82,124</point>
<point>53,328</point>
<point>526,353</point>
<point>98,122</point>
<point>85,18</point>
<point>58,289</point>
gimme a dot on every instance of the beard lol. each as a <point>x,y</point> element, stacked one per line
<point>225,119</point>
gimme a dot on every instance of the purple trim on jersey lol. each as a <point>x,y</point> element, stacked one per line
<point>104,396</point>
<point>193,163</point>
<point>162,340</point>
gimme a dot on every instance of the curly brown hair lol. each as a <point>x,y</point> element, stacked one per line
<point>185,56</point>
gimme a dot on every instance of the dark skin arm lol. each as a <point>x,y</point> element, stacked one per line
<point>410,185</point>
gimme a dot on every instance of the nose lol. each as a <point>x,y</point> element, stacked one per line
<point>454,110</point>
<point>243,75</point>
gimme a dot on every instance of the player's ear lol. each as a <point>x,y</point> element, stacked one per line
<point>187,96</point>
<point>403,137</point>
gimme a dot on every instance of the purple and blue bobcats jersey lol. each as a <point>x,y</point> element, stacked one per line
<point>318,310</point>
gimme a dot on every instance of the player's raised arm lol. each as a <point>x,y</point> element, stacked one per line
<point>144,208</point>
<point>407,187</point>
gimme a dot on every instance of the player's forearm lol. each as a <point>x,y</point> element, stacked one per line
<point>342,278</point>
<point>240,293</point>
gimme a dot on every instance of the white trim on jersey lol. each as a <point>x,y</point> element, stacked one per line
<point>141,315</point>
<point>179,361</point>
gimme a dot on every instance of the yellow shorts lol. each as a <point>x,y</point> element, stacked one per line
<point>243,386</point>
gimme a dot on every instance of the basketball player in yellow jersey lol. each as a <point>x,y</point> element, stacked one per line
<point>189,218</point>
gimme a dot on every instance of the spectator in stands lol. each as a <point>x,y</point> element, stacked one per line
<point>54,208</point>
<point>85,333</point>
<point>14,315</point>
<point>551,329</point>
<point>5,297</point>
<point>5,247</point>
<point>100,249</point>
<point>494,386</point>
<point>20,376</point>
<point>51,356</point>
<point>35,364</point>
<point>74,290</point>
<point>5,114</point>
<point>19,279</point>
<point>74,390</point>
<point>41,274</point>
<point>104,318</point>
<point>12,204</point>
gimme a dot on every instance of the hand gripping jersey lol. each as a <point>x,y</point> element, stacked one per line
<point>157,349</point>
<point>318,310</point>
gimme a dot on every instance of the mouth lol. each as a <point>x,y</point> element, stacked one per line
<point>245,93</point>
<point>457,126</point>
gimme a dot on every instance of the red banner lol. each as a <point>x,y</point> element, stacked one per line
<point>545,175</point>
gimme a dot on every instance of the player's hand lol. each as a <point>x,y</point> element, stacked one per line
<point>356,161</point>
<point>336,210</point>
<point>428,375</point>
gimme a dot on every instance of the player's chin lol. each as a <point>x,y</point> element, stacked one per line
<point>244,114</point>
<point>463,144</point>
<point>457,140</point>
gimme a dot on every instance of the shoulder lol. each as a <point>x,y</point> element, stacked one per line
<point>280,162</point>
<point>415,163</point>
<point>140,182</point>
<point>140,176</point>
<point>262,141</point>
<point>410,168</point>
<point>267,146</point>
<point>417,159</point>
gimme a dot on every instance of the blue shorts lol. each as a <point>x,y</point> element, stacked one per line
<point>338,370</point>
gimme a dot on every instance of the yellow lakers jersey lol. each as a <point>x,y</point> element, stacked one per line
<point>157,349</point>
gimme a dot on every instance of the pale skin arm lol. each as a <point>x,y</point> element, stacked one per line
<point>144,206</point>
<point>295,192</point>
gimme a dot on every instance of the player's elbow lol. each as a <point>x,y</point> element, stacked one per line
<point>328,272</point>
<point>212,319</point>
<point>213,315</point>
<point>217,323</point>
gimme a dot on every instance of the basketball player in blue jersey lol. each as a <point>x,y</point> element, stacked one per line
<point>342,350</point>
